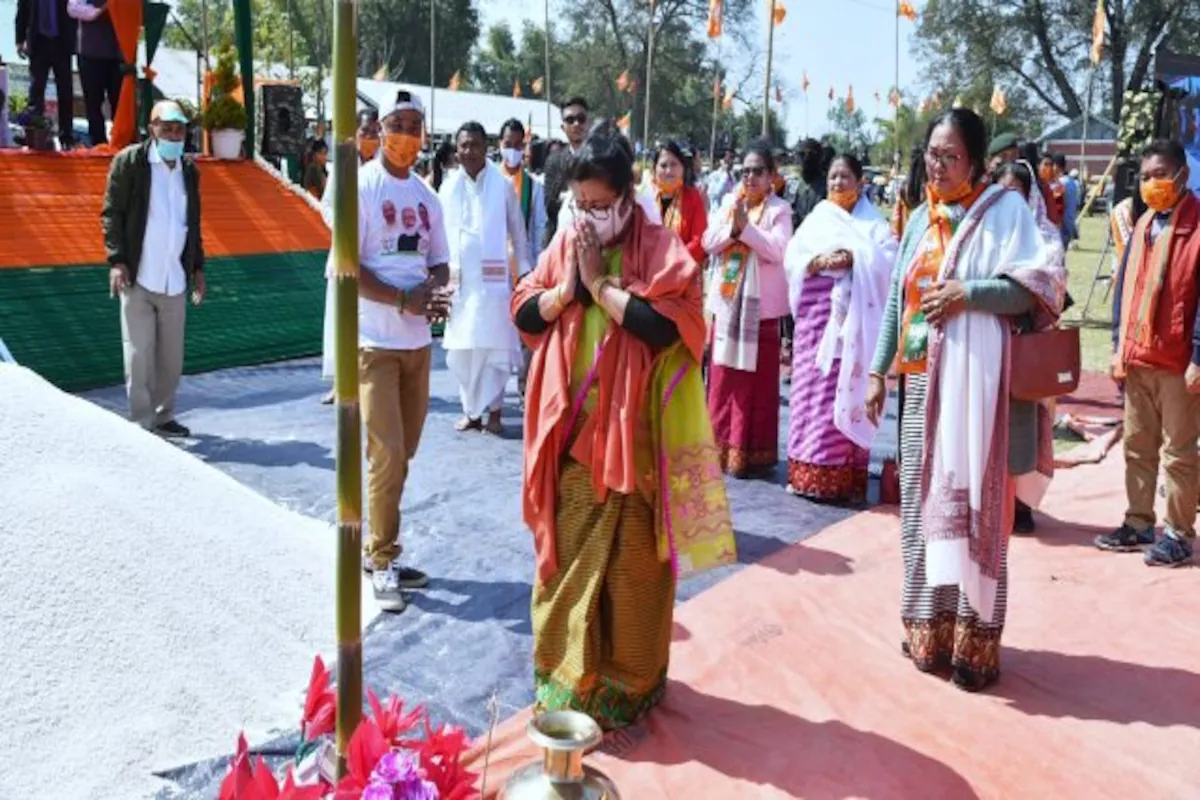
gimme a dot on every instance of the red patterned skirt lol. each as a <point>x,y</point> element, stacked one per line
<point>744,407</point>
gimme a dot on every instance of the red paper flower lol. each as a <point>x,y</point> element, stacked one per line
<point>441,759</point>
<point>320,706</point>
<point>366,747</point>
<point>393,723</point>
<point>256,782</point>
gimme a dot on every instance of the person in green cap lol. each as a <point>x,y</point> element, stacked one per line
<point>1002,150</point>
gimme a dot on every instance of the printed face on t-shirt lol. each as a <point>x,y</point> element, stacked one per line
<point>389,213</point>
<point>409,237</point>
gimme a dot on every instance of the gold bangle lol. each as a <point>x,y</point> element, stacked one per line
<point>598,286</point>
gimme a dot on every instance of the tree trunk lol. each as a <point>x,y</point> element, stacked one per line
<point>349,436</point>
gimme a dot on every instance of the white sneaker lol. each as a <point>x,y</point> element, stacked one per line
<point>386,583</point>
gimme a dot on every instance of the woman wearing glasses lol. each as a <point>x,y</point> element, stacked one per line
<point>748,296</point>
<point>614,405</point>
<point>971,261</point>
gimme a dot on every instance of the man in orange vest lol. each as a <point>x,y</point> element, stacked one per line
<point>1157,359</point>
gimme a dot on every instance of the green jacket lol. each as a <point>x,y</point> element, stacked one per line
<point>127,204</point>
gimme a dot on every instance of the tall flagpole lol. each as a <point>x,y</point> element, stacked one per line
<point>896,104</point>
<point>546,88</point>
<point>432,63</point>
<point>712,142</point>
<point>1087,114</point>
<point>766,120</point>
<point>649,64</point>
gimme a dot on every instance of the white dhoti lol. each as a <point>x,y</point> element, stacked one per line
<point>483,350</point>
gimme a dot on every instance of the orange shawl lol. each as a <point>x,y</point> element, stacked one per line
<point>655,267</point>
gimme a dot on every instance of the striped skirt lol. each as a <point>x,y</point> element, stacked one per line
<point>744,407</point>
<point>822,463</point>
<point>602,624</point>
<point>940,627</point>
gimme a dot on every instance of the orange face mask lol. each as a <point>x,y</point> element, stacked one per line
<point>951,197</point>
<point>367,148</point>
<point>401,149</point>
<point>669,186</point>
<point>847,199</point>
<point>1046,174</point>
<point>1160,194</point>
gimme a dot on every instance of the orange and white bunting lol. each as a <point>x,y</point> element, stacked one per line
<point>716,18</point>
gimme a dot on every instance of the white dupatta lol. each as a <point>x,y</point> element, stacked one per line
<point>857,300</point>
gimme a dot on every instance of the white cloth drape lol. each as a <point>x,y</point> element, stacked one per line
<point>857,300</point>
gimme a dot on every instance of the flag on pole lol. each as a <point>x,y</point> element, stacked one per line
<point>850,100</point>
<point>894,97</point>
<point>878,99</point>
<point>778,94</point>
<point>717,87</point>
<point>381,74</point>
<point>906,10</point>
<point>727,103</point>
<point>455,82</point>
<point>924,106</point>
<point>958,101</point>
<point>517,87</point>
<point>804,84</point>
<point>716,18</point>
<point>529,129</point>
<point>777,11</point>
<point>1098,33</point>
<point>623,81</point>
<point>831,94</point>
<point>537,85</point>
<point>625,122</point>
<point>999,103</point>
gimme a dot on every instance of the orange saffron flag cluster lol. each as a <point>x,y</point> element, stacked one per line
<point>716,18</point>
<point>906,10</point>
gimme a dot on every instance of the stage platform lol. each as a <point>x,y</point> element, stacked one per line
<point>265,250</point>
<point>787,678</point>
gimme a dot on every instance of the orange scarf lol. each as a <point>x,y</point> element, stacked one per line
<point>657,268</point>
<point>673,217</point>
<point>733,259</point>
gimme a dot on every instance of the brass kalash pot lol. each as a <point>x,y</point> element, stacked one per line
<point>564,737</point>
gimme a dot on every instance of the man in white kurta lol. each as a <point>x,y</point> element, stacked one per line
<point>483,219</point>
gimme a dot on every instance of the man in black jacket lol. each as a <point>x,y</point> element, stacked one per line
<point>100,63</point>
<point>46,36</point>
<point>151,221</point>
<point>558,165</point>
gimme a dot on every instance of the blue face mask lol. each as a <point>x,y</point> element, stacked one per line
<point>168,150</point>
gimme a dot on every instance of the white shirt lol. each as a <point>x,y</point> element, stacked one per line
<point>401,235</point>
<point>160,268</point>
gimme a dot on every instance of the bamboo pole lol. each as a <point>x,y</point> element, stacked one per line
<point>649,69</point>
<point>432,73</point>
<point>896,107</point>
<point>1087,115</point>
<point>766,115</point>
<point>546,88</point>
<point>349,436</point>
<point>712,140</point>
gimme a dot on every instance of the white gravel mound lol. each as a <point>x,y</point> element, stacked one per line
<point>150,606</point>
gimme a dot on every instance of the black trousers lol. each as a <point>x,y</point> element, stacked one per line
<point>101,79</point>
<point>53,55</point>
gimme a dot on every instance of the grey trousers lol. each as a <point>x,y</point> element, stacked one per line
<point>152,341</point>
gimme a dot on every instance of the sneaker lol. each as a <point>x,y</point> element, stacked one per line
<point>408,577</point>
<point>386,583</point>
<point>1023,523</point>
<point>1125,540</point>
<point>1169,551</point>
<point>172,430</point>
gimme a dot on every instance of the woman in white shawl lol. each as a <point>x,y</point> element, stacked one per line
<point>839,267</point>
<point>971,261</point>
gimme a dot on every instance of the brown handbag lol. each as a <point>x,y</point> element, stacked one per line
<point>1045,364</point>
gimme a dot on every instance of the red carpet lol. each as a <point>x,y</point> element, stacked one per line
<point>787,680</point>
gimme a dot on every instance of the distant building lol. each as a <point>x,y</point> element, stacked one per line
<point>1090,158</point>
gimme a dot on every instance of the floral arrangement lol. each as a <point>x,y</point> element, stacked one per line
<point>224,111</point>
<point>393,755</point>
<point>1138,125</point>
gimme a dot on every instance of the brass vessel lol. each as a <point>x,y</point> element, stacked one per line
<point>564,736</point>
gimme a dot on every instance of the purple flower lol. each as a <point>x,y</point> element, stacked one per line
<point>378,790</point>
<point>417,789</point>
<point>398,766</point>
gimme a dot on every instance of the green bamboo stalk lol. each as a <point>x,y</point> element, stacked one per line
<point>349,435</point>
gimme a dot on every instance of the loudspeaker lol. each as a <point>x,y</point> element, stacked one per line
<point>281,126</point>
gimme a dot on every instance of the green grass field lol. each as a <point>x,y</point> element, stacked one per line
<point>1095,337</point>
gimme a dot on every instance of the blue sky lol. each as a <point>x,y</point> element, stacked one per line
<point>840,43</point>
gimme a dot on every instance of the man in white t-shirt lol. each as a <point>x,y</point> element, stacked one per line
<point>404,254</point>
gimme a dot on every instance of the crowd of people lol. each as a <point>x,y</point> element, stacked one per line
<point>652,317</point>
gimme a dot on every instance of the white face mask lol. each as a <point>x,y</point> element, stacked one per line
<point>610,223</point>
<point>512,157</point>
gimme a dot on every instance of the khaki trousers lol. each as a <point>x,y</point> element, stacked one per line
<point>394,393</point>
<point>1162,422</point>
<point>152,343</point>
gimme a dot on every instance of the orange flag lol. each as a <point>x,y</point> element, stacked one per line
<point>777,11</point>
<point>455,82</point>
<point>924,107</point>
<point>894,97</point>
<point>381,73</point>
<point>727,103</point>
<point>999,103</point>
<point>623,81</point>
<point>906,10</point>
<point>716,18</point>
<point>804,84</point>
<point>850,100</point>
<point>517,87</point>
<point>1098,33</point>
<point>625,122</point>
<point>537,85</point>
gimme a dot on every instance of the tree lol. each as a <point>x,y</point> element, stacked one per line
<point>849,128</point>
<point>500,62</point>
<point>1042,46</point>
<point>394,35</point>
